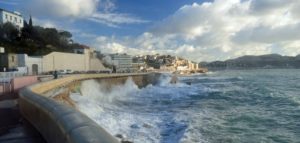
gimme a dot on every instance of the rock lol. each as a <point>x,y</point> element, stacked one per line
<point>147,125</point>
<point>122,138</point>
<point>174,79</point>
<point>135,126</point>
<point>119,136</point>
<point>126,142</point>
<point>189,83</point>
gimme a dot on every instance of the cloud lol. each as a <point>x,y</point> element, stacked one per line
<point>100,11</point>
<point>263,34</point>
<point>205,31</point>
<point>223,29</point>
<point>64,8</point>
<point>113,19</point>
<point>45,23</point>
<point>267,6</point>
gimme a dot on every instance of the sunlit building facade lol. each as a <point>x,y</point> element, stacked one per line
<point>13,17</point>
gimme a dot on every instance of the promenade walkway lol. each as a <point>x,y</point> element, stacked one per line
<point>13,128</point>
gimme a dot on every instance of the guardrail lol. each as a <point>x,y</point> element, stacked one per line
<point>6,81</point>
<point>59,123</point>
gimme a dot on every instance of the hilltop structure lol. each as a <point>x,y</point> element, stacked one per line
<point>12,17</point>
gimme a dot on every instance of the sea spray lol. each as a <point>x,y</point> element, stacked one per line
<point>105,106</point>
<point>227,106</point>
<point>140,115</point>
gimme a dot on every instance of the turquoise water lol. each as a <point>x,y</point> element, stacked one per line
<point>250,106</point>
<point>227,106</point>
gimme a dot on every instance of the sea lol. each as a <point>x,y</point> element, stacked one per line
<point>231,106</point>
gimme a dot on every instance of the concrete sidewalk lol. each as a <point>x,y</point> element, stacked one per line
<point>13,128</point>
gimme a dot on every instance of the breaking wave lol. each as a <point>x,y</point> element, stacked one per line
<point>229,106</point>
<point>148,115</point>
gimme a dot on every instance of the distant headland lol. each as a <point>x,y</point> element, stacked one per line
<point>270,61</point>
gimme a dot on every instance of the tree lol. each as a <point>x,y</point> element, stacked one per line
<point>8,32</point>
<point>65,38</point>
<point>30,22</point>
<point>35,40</point>
<point>65,34</point>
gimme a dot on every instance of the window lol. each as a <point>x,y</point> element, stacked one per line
<point>6,16</point>
<point>12,58</point>
<point>10,17</point>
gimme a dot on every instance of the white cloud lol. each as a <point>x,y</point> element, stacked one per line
<point>208,31</point>
<point>45,23</point>
<point>224,29</point>
<point>113,19</point>
<point>100,11</point>
<point>263,34</point>
<point>269,6</point>
<point>64,8</point>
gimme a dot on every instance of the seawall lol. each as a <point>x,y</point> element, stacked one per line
<point>60,122</point>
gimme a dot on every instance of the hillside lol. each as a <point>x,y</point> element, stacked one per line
<point>254,62</point>
<point>35,40</point>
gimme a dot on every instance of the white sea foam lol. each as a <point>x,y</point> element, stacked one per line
<point>241,106</point>
<point>140,115</point>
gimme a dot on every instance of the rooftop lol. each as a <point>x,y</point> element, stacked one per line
<point>13,12</point>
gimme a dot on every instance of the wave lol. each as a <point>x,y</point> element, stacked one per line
<point>145,115</point>
<point>236,106</point>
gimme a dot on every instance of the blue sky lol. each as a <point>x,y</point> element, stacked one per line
<point>195,29</point>
<point>149,10</point>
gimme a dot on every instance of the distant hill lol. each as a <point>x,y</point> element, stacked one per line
<point>255,62</point>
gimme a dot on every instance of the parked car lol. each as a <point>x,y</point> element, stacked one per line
<point>70,71</point>
<point>62,72</point>
<point>67,71</point>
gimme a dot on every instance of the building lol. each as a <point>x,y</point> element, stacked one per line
<point>82,49</point>
<point>62,61</point>
<point>13,17</point>
<point>32,65</point>
<point>193,66</point>
<point>122,63</point>
<point>182,68</point>
<point>87,61</point>
<point>8,62</point>
<point>139,66</point>
<point>83,62</point>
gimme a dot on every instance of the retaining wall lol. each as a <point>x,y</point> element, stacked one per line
<point>60,123</point>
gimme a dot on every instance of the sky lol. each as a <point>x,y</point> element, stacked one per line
<point>199,30</point>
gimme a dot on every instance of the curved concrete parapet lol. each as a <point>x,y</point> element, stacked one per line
<point>59,123</point>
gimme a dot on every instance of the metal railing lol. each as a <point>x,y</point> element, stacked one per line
<point>6,81</point>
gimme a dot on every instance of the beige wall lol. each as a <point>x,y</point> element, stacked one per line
<point>62,61</point>
<point>96,65</point>
<point>75,62</point>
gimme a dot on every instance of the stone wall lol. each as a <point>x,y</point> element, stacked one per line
<point>58,122</point>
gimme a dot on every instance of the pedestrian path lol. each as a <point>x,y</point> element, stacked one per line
<point>13,128</point>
